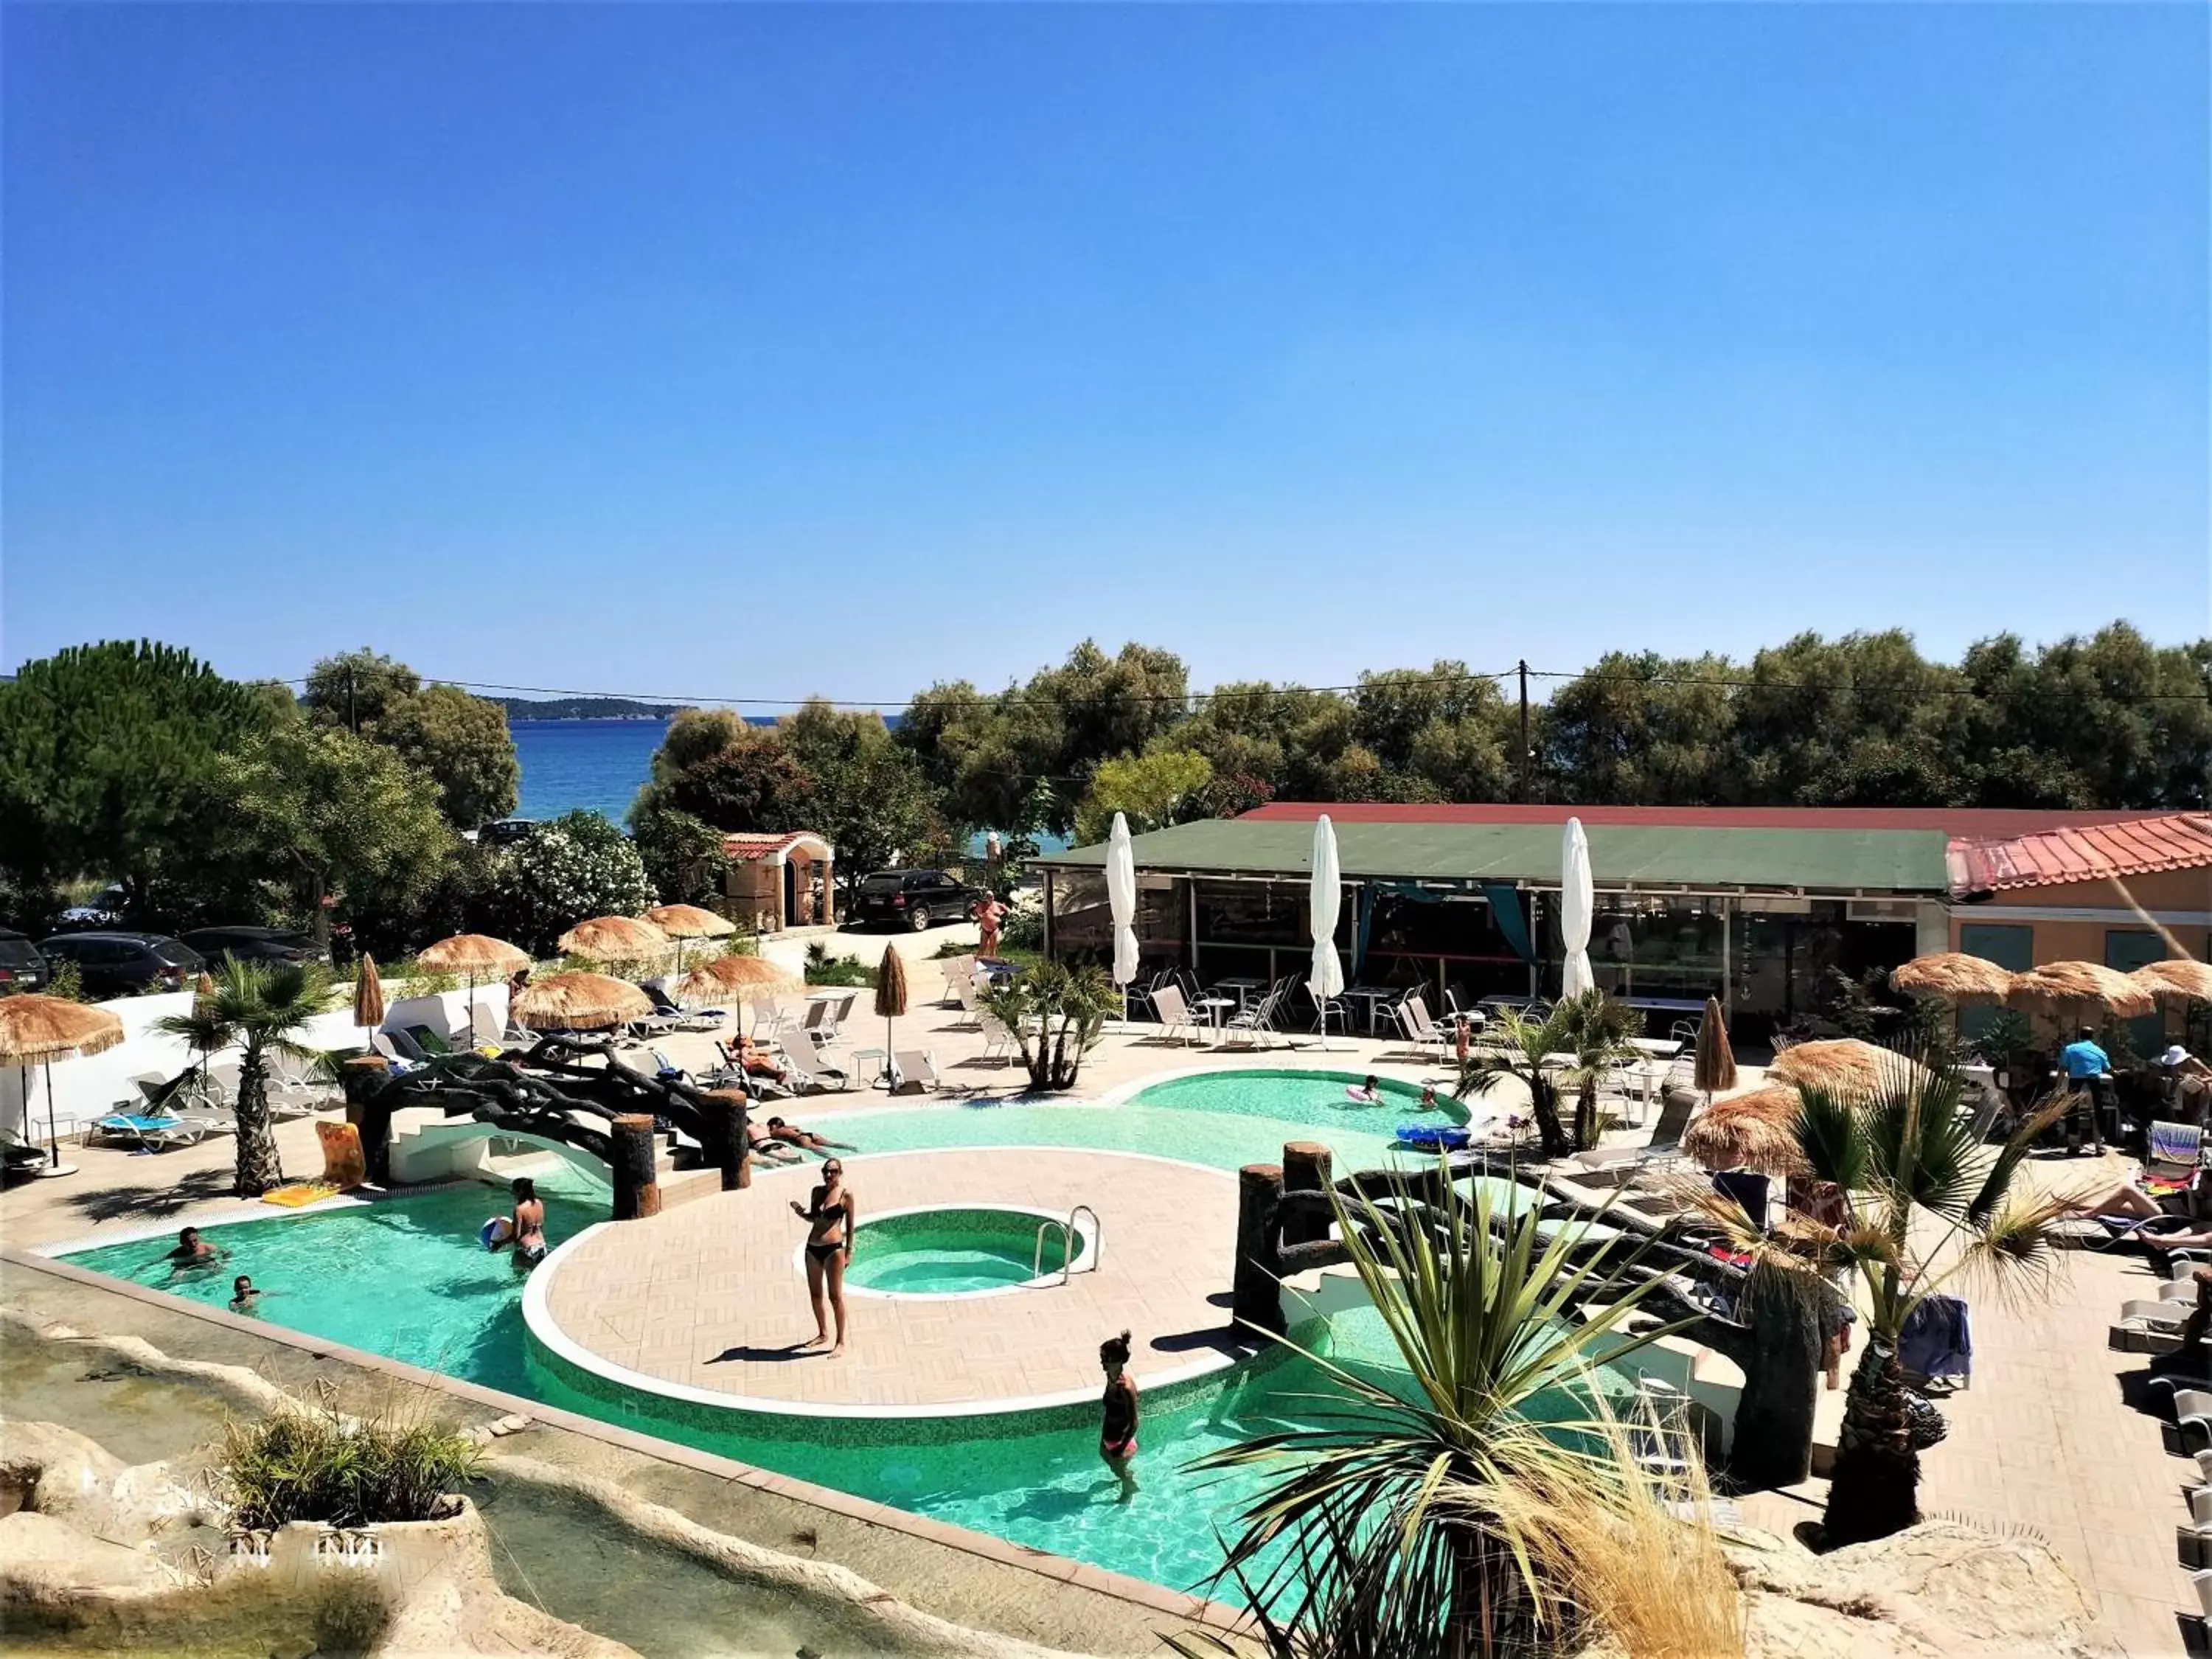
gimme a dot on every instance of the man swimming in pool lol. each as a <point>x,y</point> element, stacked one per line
<point>1117,1423</point>
<point>193,1253</point>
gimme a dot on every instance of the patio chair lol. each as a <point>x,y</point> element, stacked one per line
<point>959,971</point>
<point>912,1072</point>
<point>770,1018</point>
<point>19,1156</point>
<point>1678,1107</point>
<point>1423,1033</point>
<point>971,1006</point>
<point>684,1019</point>
<point>1258,1021</point>
<point>2173,1155</point>
<point>485,1027</point>
<point>830,1024</point>
<point>997,1042</point>
<point>397,1046</point>
<point>816,1079</point>
<point>1174,1012</point>
<point>154,1132</point>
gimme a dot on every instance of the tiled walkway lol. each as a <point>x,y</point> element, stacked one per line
<point>710,1294</point>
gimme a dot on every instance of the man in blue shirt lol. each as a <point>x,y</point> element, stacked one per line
<point>2089,1067</point>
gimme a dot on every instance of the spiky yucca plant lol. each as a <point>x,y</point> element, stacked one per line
<point>1398,1527</point>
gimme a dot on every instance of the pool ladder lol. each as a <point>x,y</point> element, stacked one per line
<point>1067,1241</point>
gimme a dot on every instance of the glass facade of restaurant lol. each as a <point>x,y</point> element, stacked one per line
<point>1767,958</point>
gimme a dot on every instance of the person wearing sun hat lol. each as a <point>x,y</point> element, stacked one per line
<point>2185,1085</point>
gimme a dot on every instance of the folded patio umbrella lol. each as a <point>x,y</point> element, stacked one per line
<point>1577,901</point>
<point>1325,976</point>
<point>1716,1061</point>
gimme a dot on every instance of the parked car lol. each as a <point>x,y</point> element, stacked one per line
<point>913,898</point>
<point>254,944</point>
<point>505,832</point>
<point>103,910</point>
<point>117,963</point>
<point>21,967</point>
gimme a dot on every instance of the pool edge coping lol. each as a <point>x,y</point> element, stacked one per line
<point>1156,1598</point>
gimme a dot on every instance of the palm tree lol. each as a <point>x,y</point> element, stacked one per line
<point>1925,1204</point>
<point>1399,1527</point>
<point>261,1007</point>
<point>1591,1028</point>
<point>1054,1013</point>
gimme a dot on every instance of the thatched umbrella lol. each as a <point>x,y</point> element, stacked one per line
<point>580,1002</point>
<point>1845,1064</point>
<point>2078,985</point>
<point>1757,1131</point>
<point>731,977</point>
<point>2175,980</point>
<point>477,955</point>
<point>891,1004</point>
<point>1716,1067</point>
<point>47,1028</point>
<point>688,921</point>
<point>1954,977</point>
<point>615,939</point>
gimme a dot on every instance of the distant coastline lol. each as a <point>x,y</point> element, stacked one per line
<point>584,708</point>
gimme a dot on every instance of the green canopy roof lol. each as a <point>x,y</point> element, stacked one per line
<point>1699,858</point>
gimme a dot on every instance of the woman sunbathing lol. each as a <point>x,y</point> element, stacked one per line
<point>792,1134</point>
<point>764,1145</point>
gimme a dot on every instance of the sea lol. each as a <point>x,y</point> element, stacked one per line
<point>598,766</point>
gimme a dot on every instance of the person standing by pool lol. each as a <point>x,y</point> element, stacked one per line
<point>830,1216</point>
<point>989,913</point>
<point>529,1224</point>
<point>1117,1423</point>
<point>2088,1068</point>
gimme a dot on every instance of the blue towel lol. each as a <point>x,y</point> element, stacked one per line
<point>1938,1339</point>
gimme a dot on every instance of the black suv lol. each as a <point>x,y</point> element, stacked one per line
<point>914,898</point>
<point>21,967</point>
<point>252,943</point>
<point>117,964</point>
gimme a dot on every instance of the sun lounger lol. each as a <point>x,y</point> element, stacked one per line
<point>684,1019</point>
<point>156,1132</point>
<point>817,1078</point>
<point>912,1072</point>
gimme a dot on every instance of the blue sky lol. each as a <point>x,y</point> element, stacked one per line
<point>761,352</point>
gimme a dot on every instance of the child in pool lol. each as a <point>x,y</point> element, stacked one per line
<point>1117,1427</point>
<point>1369,1093</point>
<point>1428,1100</point>
<point>244,1298</point>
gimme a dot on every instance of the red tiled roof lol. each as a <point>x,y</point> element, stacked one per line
<point>749,845</point>
<point>2081,852</point>
<point>1990,823</point>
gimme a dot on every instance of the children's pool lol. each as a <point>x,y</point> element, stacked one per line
<point>406,1278</point>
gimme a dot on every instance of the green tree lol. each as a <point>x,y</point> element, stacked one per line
<point>319,813</point>
<point>110,756</point>
<point>752,784</point>
<point>1925,1206</point>
<point>869,797</point>
<point>262,1007</point>
<point>684,856</point>
<point>1643,730</point>
<point>1154,789</point>
<point>460,742</point>
<point>357,688</point>
<point>1514,1048</point>
<point>576,866</point>
<point>1404,1523</point>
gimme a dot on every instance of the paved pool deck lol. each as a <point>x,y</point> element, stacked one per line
<point>711,1296</point>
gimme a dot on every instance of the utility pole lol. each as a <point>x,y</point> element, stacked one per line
<point>354,725</point>
<point>1525,750</point>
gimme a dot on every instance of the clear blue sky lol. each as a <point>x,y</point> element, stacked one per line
<point>752,351</point>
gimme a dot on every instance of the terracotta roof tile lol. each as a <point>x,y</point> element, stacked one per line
<point>2081,852</point>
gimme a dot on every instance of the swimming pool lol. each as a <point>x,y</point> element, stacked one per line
<point>405,1278</point>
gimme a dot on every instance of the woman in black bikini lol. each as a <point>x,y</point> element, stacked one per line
<point>1117,1424</point>
<point>830,1218</point>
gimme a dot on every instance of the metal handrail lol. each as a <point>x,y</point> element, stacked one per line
<point>1067,1249</point>
<point>1098,1236</point>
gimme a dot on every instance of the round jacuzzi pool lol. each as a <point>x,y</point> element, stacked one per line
<point>970,1251</point>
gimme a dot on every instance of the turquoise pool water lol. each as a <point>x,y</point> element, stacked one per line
<point>953,1252</point>
<point>406,1278</point>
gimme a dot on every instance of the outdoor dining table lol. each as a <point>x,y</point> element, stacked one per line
<point>1243,988</point>
<point>1213,1007</point>
<point>1376,998</point>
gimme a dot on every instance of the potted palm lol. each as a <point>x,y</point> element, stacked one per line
<point>1591,1029</point>
<point>1055,1014</point>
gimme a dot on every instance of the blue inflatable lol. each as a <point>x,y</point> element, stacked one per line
<point>1444,1135</point>
<point>495,1232</point>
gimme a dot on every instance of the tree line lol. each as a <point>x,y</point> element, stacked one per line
<point>211,799</point>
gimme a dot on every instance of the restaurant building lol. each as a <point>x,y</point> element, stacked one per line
<point>1754,905</point>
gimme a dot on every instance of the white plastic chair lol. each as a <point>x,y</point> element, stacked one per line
<point>1175,1014</point>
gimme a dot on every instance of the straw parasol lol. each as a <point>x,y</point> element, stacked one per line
<point>2175,980</point>
<point>1756,1131</point>
<point>732,976</point>
<point>2057,985</point>
<point>47,1028</point>
<point>1955,977</point>
<point>615,939</point>
<point>891,1004</point>
<point>1716,1067</point>
<point>479,957</point>
<point>688,921</point>
<point>1845,1064</point>
<point>368,995</point>
<point>580,1002</point>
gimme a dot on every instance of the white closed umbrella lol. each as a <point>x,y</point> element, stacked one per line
<point>1577,901</point>
<point>1325,979</point>
<point>1121,897</point>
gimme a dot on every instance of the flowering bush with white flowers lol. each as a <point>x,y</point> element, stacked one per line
<point>575,867</point>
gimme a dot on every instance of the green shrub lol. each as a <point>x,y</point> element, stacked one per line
<point>68,982</point>
<point>311,1463</point>
<point>839,970</point>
